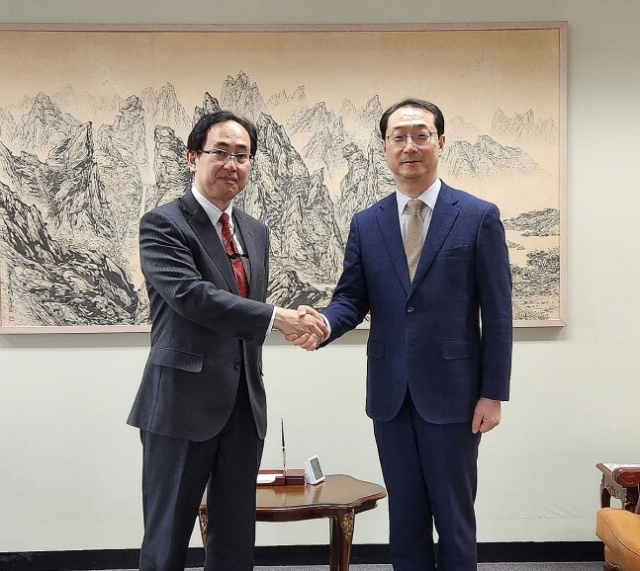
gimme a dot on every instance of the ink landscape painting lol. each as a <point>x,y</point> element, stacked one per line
<point>93,129</point>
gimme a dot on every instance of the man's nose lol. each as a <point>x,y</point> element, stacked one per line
<point>231,164</point>
<point>409,145</point>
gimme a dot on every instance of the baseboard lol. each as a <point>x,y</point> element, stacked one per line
<point>535,552</point>
<point>85,560</point>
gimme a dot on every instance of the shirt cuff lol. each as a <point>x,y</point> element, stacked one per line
<point>273,318</point>
<point>326,322</point>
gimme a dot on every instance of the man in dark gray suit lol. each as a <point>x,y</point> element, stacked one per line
<point>201,406</point>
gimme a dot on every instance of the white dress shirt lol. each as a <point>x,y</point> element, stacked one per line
<point>214,214</point>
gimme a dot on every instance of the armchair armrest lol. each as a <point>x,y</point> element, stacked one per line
<point>621,481</point>
<point>627,476</point>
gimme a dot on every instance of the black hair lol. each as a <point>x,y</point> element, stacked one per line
<point>413,102</point>
<point>199,132</point>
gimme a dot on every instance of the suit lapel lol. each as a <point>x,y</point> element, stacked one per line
<point>444,215</point>
<point>206,233</point>
<point>252,249</point>
<point>389,224</point>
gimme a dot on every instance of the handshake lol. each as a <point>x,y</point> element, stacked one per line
<point>303,327</point>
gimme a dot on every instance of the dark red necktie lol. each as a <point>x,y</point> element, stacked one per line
<point>234,257</point>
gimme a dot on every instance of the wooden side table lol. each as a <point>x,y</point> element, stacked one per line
<point>338,498</point>
<point>619,481</point>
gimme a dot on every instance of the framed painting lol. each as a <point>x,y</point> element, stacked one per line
<point>94,120</point>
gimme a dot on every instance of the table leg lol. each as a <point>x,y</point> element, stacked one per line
<point>610,489</point>
<point>341,538</point>
<point>204,520</point>
<point>605,495</point>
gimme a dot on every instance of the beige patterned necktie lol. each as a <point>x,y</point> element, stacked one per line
<point>413,236</point>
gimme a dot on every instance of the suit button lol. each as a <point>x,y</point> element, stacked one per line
<point>236,365</point>
<point>410,309</point>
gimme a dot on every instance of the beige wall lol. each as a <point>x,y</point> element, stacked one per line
<point>70,467</point>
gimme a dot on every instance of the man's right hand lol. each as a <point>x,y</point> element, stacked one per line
<point>299,324</point>
<point>309,342</point>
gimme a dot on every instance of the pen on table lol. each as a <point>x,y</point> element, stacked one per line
<point>284,450</point>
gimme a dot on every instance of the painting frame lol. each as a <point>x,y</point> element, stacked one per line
<point>557,28</point>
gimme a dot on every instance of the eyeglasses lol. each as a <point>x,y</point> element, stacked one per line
<point>420,139</point>
<point>222,156</point>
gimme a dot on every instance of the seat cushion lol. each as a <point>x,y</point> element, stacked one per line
<point>620,532</point>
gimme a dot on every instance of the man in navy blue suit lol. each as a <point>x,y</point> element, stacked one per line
<point>430,264</point>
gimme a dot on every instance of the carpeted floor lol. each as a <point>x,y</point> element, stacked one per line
<point>584,566</point>
<point>592,566</point>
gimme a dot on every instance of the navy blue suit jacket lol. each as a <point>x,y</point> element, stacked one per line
<point>447,335</point>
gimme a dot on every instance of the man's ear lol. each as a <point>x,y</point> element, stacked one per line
<point>191,159</point>
<point>441,144</point>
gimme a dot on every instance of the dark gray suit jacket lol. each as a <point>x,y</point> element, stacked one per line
<point>203,333</point>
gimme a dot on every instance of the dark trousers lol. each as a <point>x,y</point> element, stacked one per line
<point>430,471</point>
<point>175,473</point>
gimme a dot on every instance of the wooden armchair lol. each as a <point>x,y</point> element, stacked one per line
<point>619,529</point>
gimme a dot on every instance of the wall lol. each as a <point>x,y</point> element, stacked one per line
<point>70,471</point>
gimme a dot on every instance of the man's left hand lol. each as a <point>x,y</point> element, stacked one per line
<point>487,415</point>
